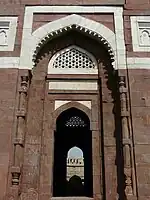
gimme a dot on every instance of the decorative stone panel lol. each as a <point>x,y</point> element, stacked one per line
<point>144,33</point>
<point>30,195</point>
<point>140,27</point>
<point>4,29</point>
<point>73,85</point>
<point>7,33</point>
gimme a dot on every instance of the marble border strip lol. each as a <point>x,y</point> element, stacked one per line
<point>132,63</point>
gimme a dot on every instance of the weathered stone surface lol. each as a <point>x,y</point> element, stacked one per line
<point>30,195</point>
<point>107,152</point>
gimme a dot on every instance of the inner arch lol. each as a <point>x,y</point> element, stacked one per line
<point>73,155</point>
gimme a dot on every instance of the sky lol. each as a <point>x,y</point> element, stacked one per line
<point>75,152</point>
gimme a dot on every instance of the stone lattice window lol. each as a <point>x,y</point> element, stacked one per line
<point>75,121</point>
<point>74,57</point>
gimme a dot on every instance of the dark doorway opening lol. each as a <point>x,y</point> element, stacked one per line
<point>75,186</point>
<point>72,129</point>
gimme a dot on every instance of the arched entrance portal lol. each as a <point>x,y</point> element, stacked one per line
<point>72,130</point>
<point>74,76</point>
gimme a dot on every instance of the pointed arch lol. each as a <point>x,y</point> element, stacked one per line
<point>72,104</point>
<point>66,167</point>
<point>92,28</point>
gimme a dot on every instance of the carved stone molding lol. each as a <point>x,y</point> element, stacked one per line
<point>20,131</point>
<point>140,29</point>
<point>16,171</point>
<point>21,113</point>
<point>31,194</point>
<point>127,140</point>
<point>8,27</point>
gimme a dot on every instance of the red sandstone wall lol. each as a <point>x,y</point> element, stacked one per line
<point>40,19</point>
<point>139,82</point>
<point>8,83</point>
<point>140,106</point>
<point>137,4</point>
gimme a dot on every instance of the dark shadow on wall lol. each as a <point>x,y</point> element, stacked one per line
<point>112,84</point>
<point>75,187</point>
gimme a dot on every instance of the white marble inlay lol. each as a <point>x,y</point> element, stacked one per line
<point>4,29</point>
<point>140,29</point>
<point>144,33</point>
<point>8,27</point>
<point>9,62</point>
<point>31,40</point>
<point>73,85</point>
<point>61,103</point>
<point>138,63</point>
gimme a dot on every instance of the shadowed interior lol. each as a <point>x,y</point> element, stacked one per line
<point>73,129</point>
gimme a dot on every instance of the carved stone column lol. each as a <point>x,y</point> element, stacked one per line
<point>20,130</point>
<point>127,139</point>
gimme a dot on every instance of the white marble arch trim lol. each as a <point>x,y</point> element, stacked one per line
<point>59,103</point>
<point>104,34</point>
<point>27,40</point>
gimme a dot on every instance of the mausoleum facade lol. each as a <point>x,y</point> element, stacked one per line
<point>74,77</point>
